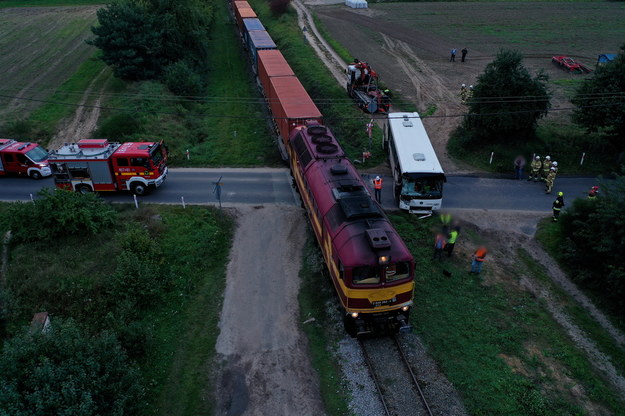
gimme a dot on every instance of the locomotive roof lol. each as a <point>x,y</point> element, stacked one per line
<point>343,199</point>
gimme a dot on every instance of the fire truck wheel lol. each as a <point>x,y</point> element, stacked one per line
<point>139,189</point>
<point>35,175</point>
<point>83,189</point>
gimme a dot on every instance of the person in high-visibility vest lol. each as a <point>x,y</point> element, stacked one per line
<point>477,260</point>
<point>377,186</point>
<point>451,241</point>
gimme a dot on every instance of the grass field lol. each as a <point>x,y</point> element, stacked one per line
<point>172,346</point>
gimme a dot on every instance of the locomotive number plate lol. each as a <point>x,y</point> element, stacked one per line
<point>383,302</point>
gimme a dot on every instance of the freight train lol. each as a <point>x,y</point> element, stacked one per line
<point>370,266</point>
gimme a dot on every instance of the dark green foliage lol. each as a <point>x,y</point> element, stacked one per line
<point>600,101</point>
<point>507,102</point>
<point>139,39</point>
<point>118,126</point>
<point>594,242</point>
<point>141,270</point>
<point>182,79</point>
<point>57,213</point>
<point>279,7</point>
<point>64,372</point>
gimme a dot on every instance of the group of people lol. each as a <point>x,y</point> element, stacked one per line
<point>466,93</point>
<point>544,170</point>
<point>464,52</point>
<point>445,242</point>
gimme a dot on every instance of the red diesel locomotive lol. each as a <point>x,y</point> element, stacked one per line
<point>371,268</point>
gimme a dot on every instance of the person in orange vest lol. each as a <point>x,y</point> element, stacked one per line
<point>377,186</point>
<point>478,259</point>
<point>439,245</point>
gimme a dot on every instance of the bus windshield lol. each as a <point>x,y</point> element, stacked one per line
<point>38,154</point>
<point>429,187</point>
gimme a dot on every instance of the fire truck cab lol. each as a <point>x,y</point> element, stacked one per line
<point>97,165</point>
<point>21,158</point>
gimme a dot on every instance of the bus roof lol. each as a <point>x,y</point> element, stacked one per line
<point>413,146</point>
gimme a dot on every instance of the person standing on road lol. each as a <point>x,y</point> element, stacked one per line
<point>546,168</point>
<point>453,55</point>
<point>536,166</point>
<point>451,241</point>
<point>377,186</point>
<point>519,165</point>
<point>439,246</point>
<point>477,260</point>
<point>463,94</point>
<point>464,53</point>
<point>557,206</point>
<point>550,179</point>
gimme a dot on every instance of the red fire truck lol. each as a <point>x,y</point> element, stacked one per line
<point>97,165</point>
<point>21,158</point>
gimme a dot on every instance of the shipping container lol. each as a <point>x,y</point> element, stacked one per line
<point>290,105</point>
<point>250,25</point>
<point>243,13</point>
<point>271,63</point>
<point>259,40</point>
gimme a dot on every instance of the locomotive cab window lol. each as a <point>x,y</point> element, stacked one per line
<point>366,275</point>
<point>397,271</point>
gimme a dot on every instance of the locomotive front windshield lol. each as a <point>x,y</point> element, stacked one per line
<point>372,275</point>
<point>38,154</point>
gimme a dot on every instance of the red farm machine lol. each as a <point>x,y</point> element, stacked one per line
<point>362,85</point>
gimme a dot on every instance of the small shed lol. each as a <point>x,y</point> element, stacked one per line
<point>40,323</point>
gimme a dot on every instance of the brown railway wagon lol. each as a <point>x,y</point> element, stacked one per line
<point>290,104</point>
<point>241,12</point>
<point>271,63</point>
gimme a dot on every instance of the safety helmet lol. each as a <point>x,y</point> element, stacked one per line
<point>464,85</point>
<point>537,157</point>
<point>555,163</point>
<point>595,188</point>
<point>560,193</point>
<point>377,178</point>
<point>548,157</point>
<point>553,169</point>
<point>471,86</point>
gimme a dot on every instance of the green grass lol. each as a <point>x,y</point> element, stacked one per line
<point>315,292</point>
<point>39,3</point>
<point>565,143</point>
<point>470,323</point>
<point>495,342</point>
<point>44,120</point>
<point>68,277</point>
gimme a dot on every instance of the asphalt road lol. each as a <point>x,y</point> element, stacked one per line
<point>258,186</point>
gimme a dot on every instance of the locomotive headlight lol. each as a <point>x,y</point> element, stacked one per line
<point>382,260</point>
<point>405,308</point>
<point>354,315</point>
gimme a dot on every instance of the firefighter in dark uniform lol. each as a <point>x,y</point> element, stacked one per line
<point>557,206</point>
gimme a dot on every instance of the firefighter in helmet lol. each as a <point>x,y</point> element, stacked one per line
<point>463,93</point>
<point>546,167</point>
<point>535,168</point>
<point>550,179</point>
<point>555,165</point>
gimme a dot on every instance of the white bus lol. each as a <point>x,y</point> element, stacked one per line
<point>417,174</point>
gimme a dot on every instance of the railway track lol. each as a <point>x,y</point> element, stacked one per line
<point>397,386</point>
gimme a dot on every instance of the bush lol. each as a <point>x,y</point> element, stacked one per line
<point>141,273</point>
<point>118,126</point>
<point>181,79</point>
<point>55,214</point>
<point>594,242</point>
<point>64,372</point>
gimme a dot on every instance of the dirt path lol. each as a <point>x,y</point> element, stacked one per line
<point>84,121</point>
<point>265,369</point>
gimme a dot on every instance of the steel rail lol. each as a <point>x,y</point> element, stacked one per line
<point>414,378</point>
<point>374,376</point>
